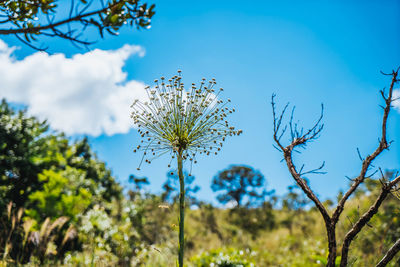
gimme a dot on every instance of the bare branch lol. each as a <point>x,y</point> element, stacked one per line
<point>314,171</point>
<point>298,139</point>
<point>277,122</point>
<point>359,155</point>
<point>288,157</point>
<point>358,226</point>
<point>389,254</point>
<point>372,174</point>
<point>366,164</point>
<point>350,179</point>
<point>29,44</point>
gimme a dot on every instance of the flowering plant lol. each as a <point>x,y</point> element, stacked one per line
<point>182,123</point>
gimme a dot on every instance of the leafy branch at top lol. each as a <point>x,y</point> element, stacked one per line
<point>32,18</point>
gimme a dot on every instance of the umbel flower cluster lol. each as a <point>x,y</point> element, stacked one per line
<point>180,122</point>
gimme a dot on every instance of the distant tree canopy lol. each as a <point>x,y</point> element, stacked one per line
<point>40,169</point>
<point>294,199</point>
<point>240,184</point>
<point>70,20</point>
<point>139,182</point>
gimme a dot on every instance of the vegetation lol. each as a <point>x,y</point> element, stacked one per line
<point>237,183</point>
<point>60,206</point>
<point>171,189</point>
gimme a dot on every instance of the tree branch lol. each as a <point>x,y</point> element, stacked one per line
<point>300,139</point>
<point>383,144</point>
<point>38,29</point>
<point>111,17</point>
<point>389,254</point>
<point>358,226</point>
<point>303,184</point>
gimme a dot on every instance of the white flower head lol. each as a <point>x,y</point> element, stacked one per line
<point>182,122</point>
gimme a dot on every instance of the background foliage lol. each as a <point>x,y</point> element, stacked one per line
<point>60,205</point>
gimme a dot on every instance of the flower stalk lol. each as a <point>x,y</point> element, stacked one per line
<point>181,209</point>
<point>183,124</point>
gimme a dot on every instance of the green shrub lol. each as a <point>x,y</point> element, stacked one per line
<point>225,258</point>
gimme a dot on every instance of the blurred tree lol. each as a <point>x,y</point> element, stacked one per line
<point>28,20</point>
<point>22,144</point>
<point>294,199</point>
<point>293,203</point>
<point>253,219</point>
<point>139,182</point>
<point>171,188</point>
<point>64,193</point>
<point>27,149</point>
<point>48,178</point>
<point>240,183</point>
<point>80,156</point>
<point>151,219</point>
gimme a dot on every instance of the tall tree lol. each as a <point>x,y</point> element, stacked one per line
<point>240,184</point>
<point>22,145</point>
<point>27,20</point>
<point>28,149</point>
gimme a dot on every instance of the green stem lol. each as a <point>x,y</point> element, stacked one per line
<point>181,209</point>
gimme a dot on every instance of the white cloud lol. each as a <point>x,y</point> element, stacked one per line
<point>396,103</point>
<point>86,94</point>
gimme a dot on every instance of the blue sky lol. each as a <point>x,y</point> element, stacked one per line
<point>307,53</point>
